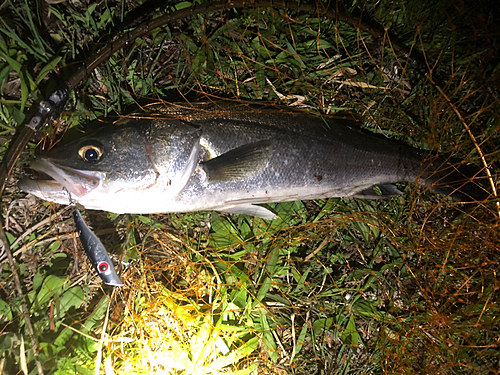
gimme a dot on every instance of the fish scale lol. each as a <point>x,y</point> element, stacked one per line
<point>302,166</point>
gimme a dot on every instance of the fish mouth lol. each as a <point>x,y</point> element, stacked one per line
<point>64,180</point>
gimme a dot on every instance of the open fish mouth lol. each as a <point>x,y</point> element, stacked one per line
<point>65,179</point>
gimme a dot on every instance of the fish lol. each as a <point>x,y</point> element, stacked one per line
<point>96,252</point>
<point>232,157</point>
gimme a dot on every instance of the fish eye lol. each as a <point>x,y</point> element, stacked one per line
<point>91,153</point>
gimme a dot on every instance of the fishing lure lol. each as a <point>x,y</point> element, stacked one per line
<point>96,252</point>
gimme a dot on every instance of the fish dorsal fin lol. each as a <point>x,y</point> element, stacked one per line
<point>239,163</point>
<point>249,209</point>
<point>385,191</point>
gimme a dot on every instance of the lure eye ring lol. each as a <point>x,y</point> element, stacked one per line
<point>103,267</point>
<point>91,153</point>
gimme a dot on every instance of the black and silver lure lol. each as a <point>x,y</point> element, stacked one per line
<point>96,252</point>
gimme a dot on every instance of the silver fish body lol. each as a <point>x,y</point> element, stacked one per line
<point>230,158</point>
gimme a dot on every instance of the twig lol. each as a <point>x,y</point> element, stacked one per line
<point>294,340</point>
<point>47,240</point>
<point>277,339</point>
<point>4,243</point>
<point>322,245</point>
<point>79,332</point>
<point>22,357</point>
<point>40,224</point>
<point>101,341</point>
<point>483,310</point>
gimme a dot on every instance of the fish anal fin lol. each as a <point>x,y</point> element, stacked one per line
<point>381,191</point>
<point>239,163</point>
<point>248,209</point>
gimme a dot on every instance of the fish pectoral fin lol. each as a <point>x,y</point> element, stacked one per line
<point>381,191</point>
<point>249,209</point>
<point>239,163</point>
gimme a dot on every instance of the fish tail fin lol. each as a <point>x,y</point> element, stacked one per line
<point>451,177</point>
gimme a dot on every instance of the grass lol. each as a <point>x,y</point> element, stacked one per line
<point>339,286</point>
